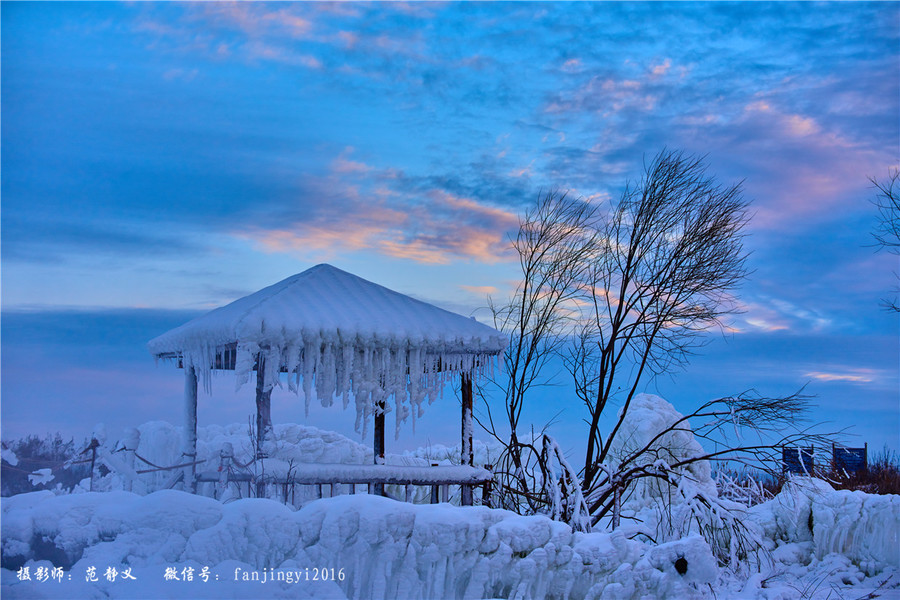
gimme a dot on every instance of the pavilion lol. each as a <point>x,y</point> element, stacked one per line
<point>341,336</point>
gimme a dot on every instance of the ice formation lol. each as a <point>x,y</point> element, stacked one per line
<point>863,527</point>
<point>41,476</point>
<point>9,456</point>
<point>386,549</point>
<point>341,336</point>
<point>814,538</point>
<point>290,444</point>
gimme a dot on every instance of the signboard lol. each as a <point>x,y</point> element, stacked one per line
<point>797,460</point>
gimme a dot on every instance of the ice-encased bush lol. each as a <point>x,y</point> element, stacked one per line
<point>387,549</point>
<point>647,416</point>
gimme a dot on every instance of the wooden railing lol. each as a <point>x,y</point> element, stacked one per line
<point>334,476</point>
<point>327,479</point>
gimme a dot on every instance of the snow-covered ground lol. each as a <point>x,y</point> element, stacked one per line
<point>358,546</point>
<point>151,543</point>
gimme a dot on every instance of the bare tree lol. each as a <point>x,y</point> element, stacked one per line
<point>887,234</point>
<point>555,241</point>
<point>672,255</point>
<point>624,295</point>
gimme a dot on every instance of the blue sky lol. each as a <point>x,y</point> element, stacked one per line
<point>163,159</point>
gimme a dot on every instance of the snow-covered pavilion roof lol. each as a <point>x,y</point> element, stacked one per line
<point>324,303</point>
<point>339,331</point>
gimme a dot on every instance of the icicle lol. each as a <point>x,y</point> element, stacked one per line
<point>272,361</point>
<point>292,364</point>
<point>310,353</point>
<point>245,358</point>
<point>347,366</point>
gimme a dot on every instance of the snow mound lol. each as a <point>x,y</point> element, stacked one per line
<point>385,549</point>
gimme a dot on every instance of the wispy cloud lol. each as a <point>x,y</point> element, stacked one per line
<point>258,19</point>
<point>767,314</point>
<point>857,376</point>
<point>862,376</point>
<point>605,96</point>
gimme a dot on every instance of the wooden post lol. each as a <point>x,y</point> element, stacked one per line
<point>190,427</point>
<point>93,448</point>
<point>866,457</point>
<point>226,457</point>
<point>263,406</point>
<point>486,489</point>
<point>434,489</point>
<point>378,444</point>
<point>467,452</point>
<point>129,444</point>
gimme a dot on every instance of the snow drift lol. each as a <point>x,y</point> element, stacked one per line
<point>386,549</point>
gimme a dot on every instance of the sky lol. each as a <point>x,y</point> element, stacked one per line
<point>162,159</point>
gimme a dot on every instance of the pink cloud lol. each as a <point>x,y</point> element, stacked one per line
<point>760,317</point>
<point>180,74</point>
<point>572,65</point>
<point>480,290</point>
<point>255,19</point>
<point>256,50</point>
<point>343,165</point>
<point>660,69</point>
<point>349,38</point>
<point>774,314</point>
<point>369,211</point>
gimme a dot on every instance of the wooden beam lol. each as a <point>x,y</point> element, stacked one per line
<point>467,452</point>
<point>190,427</point>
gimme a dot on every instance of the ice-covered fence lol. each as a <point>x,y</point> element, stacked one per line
<point>306,463</point>
<point>286,476</point>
